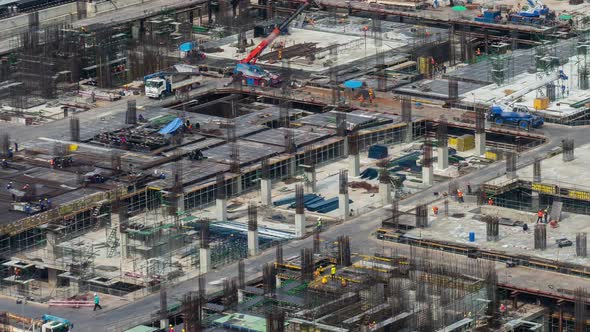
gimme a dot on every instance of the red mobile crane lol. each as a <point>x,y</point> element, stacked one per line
<point>248,72</point>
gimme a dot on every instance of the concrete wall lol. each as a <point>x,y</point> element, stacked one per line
<point>107,6</point>
<point>527,217</point>
<point>17,24</point>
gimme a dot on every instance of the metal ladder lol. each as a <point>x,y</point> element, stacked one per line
<point>112,243</point>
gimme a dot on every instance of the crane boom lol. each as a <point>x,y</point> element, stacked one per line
<point>253,56</point>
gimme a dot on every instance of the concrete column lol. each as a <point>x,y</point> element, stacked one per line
<point>221,209</point>
<point>51,242</point>
<point>345,146</point>
<point>180,202</point>
<point>343,206</point>
<point>354,165</point>
<point>480,144</point>
<point>299,225</point>
<point>443,158</point>
<point>164,324</point>
<point>385,193</point>
<point>535,201</point>
<point>310,182</point>
<point>427,175</point>
<point>52,277</point>
<point>253,243</point>
<point>278,281</point>
<point>123,243</point>
<point>239,187</point>
<point>409,133</point>
<point>240,296</point>
<point>204,260</point>
<point>292,166</point>
<point>266,192</point>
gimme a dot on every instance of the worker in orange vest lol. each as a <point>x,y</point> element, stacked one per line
<point>460,196</point>
<point>478,52</point>
<point>435,210</point>
<point>490,201</point>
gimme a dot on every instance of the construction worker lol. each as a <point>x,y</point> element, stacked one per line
<point>545,214</point>
<point>319,225</point>
<point>9,185</point>
<point>460,196</point>
<point>435,210</point>
<point>525,228</point>
<point>96,302</point>
<point>490,201</point>
<point>539,216</point>
<point>343,282</point>
<point>171,328</point>
<point>333,272</point>
<point>478,52</point>
<point>371,95</point>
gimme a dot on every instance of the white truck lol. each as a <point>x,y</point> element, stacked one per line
<point>162,84</point>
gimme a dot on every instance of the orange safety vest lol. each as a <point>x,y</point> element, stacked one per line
<point>460,193</point>
<point>490,202</point>
<point>540,213</point>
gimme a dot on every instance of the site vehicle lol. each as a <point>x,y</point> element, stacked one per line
<point>518,115</point>
<point>563,242</point>
<point>55,324</point>
<point>537,13</point>
<point>162,84</point>
<point>247,72</point>
<point>505,111</point>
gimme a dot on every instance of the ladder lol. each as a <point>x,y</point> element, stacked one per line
<point>112,242</point>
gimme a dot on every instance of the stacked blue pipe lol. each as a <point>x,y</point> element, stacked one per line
<point>369,174</point>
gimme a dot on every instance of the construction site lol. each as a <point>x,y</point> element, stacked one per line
<point>309,165</point>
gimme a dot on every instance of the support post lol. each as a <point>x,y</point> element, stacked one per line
<point>266,192</point>
<point>123,243</point>
<point>354,165</point>
<point>427,175</point>
<point>385,193</point>
<point>204,260</point>
<point>480,144</point>
<point>221,209</point>
<point>299,225</point>
<point>443,157</point>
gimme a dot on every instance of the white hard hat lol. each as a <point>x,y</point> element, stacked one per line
<point>94,294</point>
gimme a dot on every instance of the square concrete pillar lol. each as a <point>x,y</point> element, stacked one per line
<point>409,133</point>
<point>292,166</point>
<point>354,165</point>
<point>180,202</point>
<point>427,175</point>
<point>343,206</point>
<point>535,201</point>
<point>240,295</point>
<point>164,324</point>
<point>252,243</point>
<point>204,260</point>
<point>310,180</point>
<point>480,144</point>
<point>385,193</point>
<point>299,225</point>
<point>75,286</point>
<point>345,146</point>
<point>266,192</point>
<point>52,277</point>
<point>50,246</point>
<point>443,158</point>
<point>123,243</point>
<point>221,209</point>
<point>239,187</point>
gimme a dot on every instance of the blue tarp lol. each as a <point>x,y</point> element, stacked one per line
<point>171,127</point>
<point>186,47</point>
<point>353,84</point>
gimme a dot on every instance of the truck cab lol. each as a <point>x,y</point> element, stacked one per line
<point>155,87</point>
